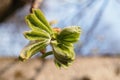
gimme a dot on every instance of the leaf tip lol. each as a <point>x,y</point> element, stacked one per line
<point>21,58</point>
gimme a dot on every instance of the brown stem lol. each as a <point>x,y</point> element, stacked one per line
<point>43,51</point>
<point>35,4</point>
<point>57,29</point>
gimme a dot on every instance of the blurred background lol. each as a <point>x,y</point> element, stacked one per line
<point>99,20</point>
<point>100,23</point>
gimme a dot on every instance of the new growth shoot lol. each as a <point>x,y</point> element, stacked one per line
<point>42,34</point>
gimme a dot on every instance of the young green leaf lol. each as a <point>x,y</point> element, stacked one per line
<point>34,20</point>
<point>32,48</point>
<point>64,55</point>
<point>41,17</point>
<point>69,35</point>
<point>36,35</point>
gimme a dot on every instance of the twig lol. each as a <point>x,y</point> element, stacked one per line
<point>35,4</point>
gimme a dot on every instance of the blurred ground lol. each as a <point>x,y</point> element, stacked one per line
<point>84,68</point>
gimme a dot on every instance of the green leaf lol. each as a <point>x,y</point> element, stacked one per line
<point>32,48</point>
<point>69,35</point>
<point>41,17</point>
<point>34,21</point>
<point>57,63</point>
<point>64,55</point>
<point>36,35</point>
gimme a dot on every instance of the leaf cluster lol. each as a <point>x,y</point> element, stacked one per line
<point>41,35</point>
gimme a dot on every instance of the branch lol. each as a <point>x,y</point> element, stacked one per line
<point>35,4</point>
